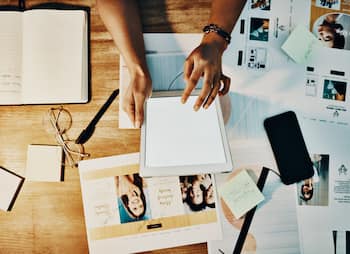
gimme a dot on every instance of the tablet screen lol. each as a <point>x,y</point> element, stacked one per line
<point>176,135</point>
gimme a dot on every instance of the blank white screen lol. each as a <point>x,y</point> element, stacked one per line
<point>176,135</point>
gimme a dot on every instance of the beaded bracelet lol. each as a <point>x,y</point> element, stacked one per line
<point>215,28</point>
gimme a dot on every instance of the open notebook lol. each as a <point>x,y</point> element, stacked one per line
<point>44,56</point>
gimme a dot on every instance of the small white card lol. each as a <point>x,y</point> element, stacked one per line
<point>44,163</point>
<point>9,184</point>
<point>241,194</point>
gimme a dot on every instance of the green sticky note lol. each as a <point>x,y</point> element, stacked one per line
<point>241,194</point>
<point>300,43</point>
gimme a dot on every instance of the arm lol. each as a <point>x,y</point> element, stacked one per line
<point>122,20</point>
<point>206,58</point>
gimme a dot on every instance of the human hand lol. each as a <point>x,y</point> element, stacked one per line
<point>139,89</point>
<point>205,60</point>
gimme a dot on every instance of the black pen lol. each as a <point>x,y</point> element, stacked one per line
<point>87,133</point>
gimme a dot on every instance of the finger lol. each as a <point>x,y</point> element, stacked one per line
<point>226,82</point>
<point>207,84</point>
<point>191,83</point>
<point>188,67</point>
<point>129,108</point>
<point>139,103</point>
<point>211,97</point>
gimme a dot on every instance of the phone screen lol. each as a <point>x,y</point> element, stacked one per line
<point>289,147</point>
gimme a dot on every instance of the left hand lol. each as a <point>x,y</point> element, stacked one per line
<point>205,60</point>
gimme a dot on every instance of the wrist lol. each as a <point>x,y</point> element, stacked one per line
<point>215,40</point>
<point>139,70</point>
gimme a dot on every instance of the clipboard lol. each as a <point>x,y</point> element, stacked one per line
<point>176,140</point>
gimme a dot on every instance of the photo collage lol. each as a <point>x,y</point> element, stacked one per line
<point>262,29</point>
<point>128,198</point>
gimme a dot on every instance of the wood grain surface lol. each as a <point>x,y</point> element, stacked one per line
<point>48,217</point>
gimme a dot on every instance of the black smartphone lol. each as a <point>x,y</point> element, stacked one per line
<point>288,145</point>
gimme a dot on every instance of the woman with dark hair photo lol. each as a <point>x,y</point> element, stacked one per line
<point>200,192</point>
<point>331,30</point>
<point>307,190</point>
<point>131,198</point>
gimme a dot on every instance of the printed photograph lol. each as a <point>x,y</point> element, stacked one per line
<point>197,192</point>
<point>329,4</point>
<point>260,4</point>
<point>342,170</point>
<point>259,29</point>
<point>314,191</point>
<point>341,241</point>
<point>132,196</point>
<point>334,90</point>
<point>333,30</point>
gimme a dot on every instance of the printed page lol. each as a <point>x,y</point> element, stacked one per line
<point>329,202</point>
<point>10,57</point>
<point>53,44</point>
<point>122,208</point>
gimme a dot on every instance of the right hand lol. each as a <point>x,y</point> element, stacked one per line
<point>139,89</point>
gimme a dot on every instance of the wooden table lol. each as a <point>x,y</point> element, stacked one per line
<point>48,217</point>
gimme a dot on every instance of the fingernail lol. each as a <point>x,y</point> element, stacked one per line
<point>196,107</point>
<point>206,106</point>
<point>138,124</point>
<point>183,100</point>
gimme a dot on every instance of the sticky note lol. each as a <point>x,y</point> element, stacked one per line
<point>9,186</point>
<point>241,194</point>
<point>44,163</point>
<point>300,43</point>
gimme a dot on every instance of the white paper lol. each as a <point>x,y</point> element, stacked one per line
<point>177,135</point>
<point>11,57</point>
<point>54,38</point>
<point>44,163</point>
<point>8,187</point>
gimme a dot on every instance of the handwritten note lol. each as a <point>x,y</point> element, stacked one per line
<point>300,43</point>
<point>241,194</point>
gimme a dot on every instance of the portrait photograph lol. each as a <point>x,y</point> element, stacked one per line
<point>259,29</point>
<point>334,90</point>
<point>333,30</point>
<point>314,191</point>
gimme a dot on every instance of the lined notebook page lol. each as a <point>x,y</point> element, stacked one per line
<point>10,57</point>
<point>53,56</point>
<point>176,135</point>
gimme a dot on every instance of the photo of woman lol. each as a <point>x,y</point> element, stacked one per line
<point>333,30</point>
<point>314,191</point>
<point>197,192</point>
<point>132,198</point>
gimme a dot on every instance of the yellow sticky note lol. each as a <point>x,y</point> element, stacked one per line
<point>241,194</point>
<point>300,43</point>
<point>44,163</point>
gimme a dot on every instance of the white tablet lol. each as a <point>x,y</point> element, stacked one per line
<point>176,140</point>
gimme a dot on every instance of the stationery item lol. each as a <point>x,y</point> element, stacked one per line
<point>289,148</point>
<point>300,44</point>
<point>44,55</point>
<point>128,213</point>
<point>44,163</point>
<point>176,140</point>
<point>241,194</point>
<point>87,133</point>
<point>10,185</point>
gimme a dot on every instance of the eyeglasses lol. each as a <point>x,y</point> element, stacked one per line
<point>58,121</point>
